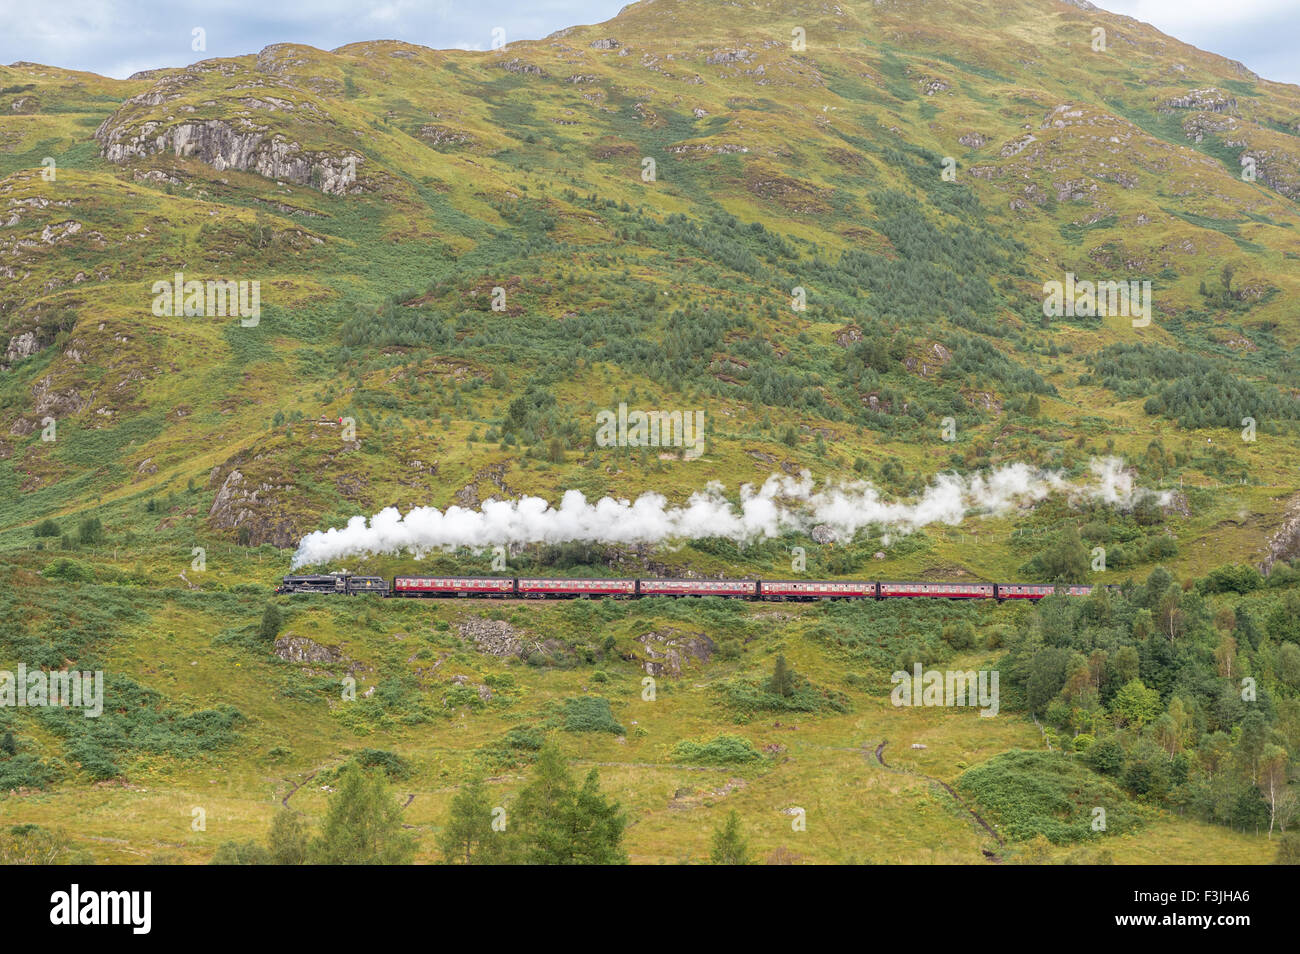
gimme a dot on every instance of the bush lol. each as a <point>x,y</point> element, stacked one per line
<point>528,740</point>
<point>394,765</point>
<point>1048,793</point>
<point>34,845</point>
<point>747,697</point>
<point>270,625</point>
<point>519,747</point>
<point>589,714</point>
<point>46,528</point>
<point>1233,578</point>
<point>960,635</point>
<point>70,571</point>
<point>90,532</point>
<point>1106,756</point>
<point>241,853</point>
<point>23,771</point>
<point>720,750</point>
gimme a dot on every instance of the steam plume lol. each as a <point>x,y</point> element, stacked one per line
<point>780,505</point>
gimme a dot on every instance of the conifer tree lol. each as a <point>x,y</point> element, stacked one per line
<point>729,844</point>
<point>559,823</point>
<point>363,824</point>
<point>287,842</point>
<point>468,837</point>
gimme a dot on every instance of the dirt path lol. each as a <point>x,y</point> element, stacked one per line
<point>296,785</point>
<point>651,765</point>
<point>991,856</point>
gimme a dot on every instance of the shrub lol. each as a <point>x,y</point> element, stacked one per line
<point>1048,793</point>
<point>1233,578</point>
<point>394,765</point>
<point>270,625</point>
<point>241,853</point>
<point>589,714</point>
<point>23,771</point>
<point>720,750</point>
<point>70,571</point>
<point>960,635</point>
<point>90,532</point>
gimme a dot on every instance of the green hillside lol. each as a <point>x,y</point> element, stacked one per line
<point>828,226</point>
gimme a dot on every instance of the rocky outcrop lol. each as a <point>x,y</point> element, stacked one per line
<point>1209,100</point>
<point>252,510</point>
<point>1285,544</point>
<point>668,650</point>
<point>823,533</point>
<point>495,637</point>
<point>517,65</point>
<point>1277,170</point>
<point>720,57</point>
<point>848,336</point>
<point>469,496</point>
<point>1017,146</point>
<point>229,144</point>
<point>300,649</point>
<point>445,136</point>
<point>21,346</point>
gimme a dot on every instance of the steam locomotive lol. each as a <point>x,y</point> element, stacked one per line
<point>497,587</point>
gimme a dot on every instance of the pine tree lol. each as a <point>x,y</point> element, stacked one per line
<point>270,627</point>
<point>287,841</point>
<point>729,844</point>
<point>468,837</point>
<point>597,824</point>
<point>7,744</point>
<point>783,678</point>
<point>557,823</point>
<point>363,825</point>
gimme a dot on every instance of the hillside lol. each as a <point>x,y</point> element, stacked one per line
<point>827,226</point>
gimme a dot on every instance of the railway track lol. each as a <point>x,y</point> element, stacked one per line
<point>559,588</point>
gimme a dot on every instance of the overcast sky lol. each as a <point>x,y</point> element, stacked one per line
<point>119,37</point>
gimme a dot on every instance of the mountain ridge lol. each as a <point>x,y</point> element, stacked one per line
<point>738,123</point>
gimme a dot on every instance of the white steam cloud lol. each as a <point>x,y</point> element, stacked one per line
<point>781,505</point>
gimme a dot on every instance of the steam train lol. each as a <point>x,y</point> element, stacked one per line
<point>499,587</point>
